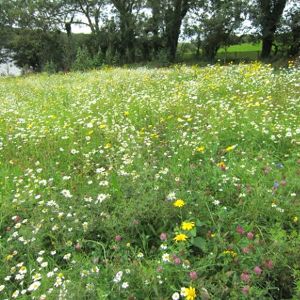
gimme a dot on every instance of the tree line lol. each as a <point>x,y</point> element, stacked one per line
<point>38,34</point>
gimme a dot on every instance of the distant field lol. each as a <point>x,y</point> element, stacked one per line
<point>246,47</point>
<point>243,52</point>
<point>151,184</point>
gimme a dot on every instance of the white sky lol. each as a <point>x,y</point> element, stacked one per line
<point>77,28</point>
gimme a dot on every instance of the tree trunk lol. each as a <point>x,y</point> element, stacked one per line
<point>174,19</point>
<point>266,47</point>
<point>271,13</point>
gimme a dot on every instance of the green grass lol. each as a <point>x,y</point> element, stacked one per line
<point>92,165</point>
<point>245,52</point>
<point>245,47</point>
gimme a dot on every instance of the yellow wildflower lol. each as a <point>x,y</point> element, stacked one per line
<point>190,293</point>
<point>179,203</point>
<point>230,148</point>
<point>295,219</point>
<point>187,225</point>
<point>9,257</point>
<point>181,237</point>
<point>154,135</point>
<point>200,149</point>
<point>221,165</point>
<point>126,113</point>
<point>230,252</point>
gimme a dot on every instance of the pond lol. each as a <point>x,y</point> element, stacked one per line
<point>9,69</point>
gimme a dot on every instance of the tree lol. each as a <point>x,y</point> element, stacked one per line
<point>266,14</point>
<point>292,22</point>
<point>176,10</point>
<point>127,11</point>
<point>212,24</point>
<point>165,23</point>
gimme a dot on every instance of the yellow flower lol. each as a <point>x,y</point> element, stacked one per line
<point>230,148</point>
<point>230,252</point>
<point>126,113</point>
<point>200,149</point>
<point>221,165</point>
<point>102,126</point>
<point>187,225</point>
<point>154,135</point>
<point>9,257</point>
<point>295,219</point>
<point>181,237</point>
<point>179,203</point>
<point>190,293</point>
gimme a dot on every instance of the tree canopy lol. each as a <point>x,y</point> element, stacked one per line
<point>38,32</point>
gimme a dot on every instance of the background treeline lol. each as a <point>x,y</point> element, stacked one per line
<point>38,34</point>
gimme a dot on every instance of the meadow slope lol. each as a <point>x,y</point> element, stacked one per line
<point>179,183</point>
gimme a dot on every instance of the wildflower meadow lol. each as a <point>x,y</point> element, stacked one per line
<point>172,183</point>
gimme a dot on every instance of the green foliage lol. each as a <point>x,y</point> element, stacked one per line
<point>215,24</point>
<point>163,58</point>
<point>50,67</point>
<point>138,31</point>
<point>83,61</point>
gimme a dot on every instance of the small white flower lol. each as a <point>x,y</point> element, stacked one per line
<point>34,286</point>
<point>163,247</point>
<point>125,285</point>
<point>182,291</point>
<point>67,256</point>
<point>95,269</point>
<point>140,255</point>
<point>50,274</point>
<point>15,294</point>
<point>101,198</point>
<point>19,277</point>
<point>85,226</point>
<point>171,196</point>
<point>166,257</point>
<point>23,270</point>
<point>118,277</point>
<point>2,287</point>
<point>39,259</point>
<point>175,296</point>
<point>66,193</point>
<point>74,151</point>
<point>37,277</point>
<point>100,170</point>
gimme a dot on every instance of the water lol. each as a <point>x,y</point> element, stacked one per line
<point>9,69</point>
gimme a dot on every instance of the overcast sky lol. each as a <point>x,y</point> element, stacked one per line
<point>76,28</point>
